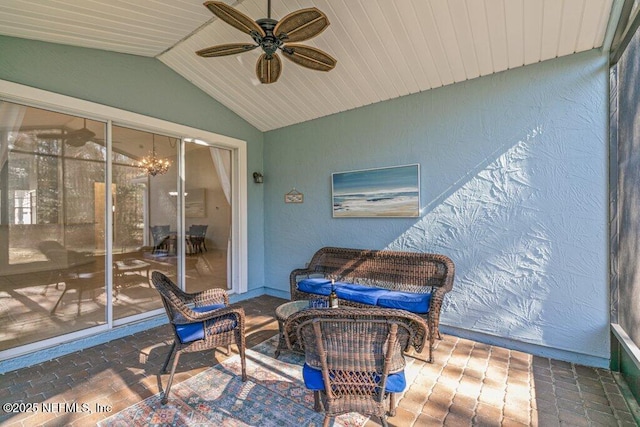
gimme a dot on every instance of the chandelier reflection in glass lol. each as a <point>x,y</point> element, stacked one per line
<point>153,165</point>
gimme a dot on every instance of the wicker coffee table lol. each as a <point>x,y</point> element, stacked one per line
<point>282,313</point>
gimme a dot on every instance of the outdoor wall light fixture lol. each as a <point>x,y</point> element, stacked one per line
<point>258,178</point>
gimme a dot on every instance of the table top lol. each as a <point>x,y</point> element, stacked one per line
<point>288,308</point>
<point>130,264</point>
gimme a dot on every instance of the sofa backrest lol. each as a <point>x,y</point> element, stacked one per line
<point>399,270</point>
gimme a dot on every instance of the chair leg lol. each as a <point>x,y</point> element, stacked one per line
<point>431,349</point>
<point>165,395</point>
<point>64,291</point>
<point>317,406</point>
<point>79,300</point>
<point>243,360</point>
<point>392,405</point>
<point>166,362</point>
<point>433,331</point>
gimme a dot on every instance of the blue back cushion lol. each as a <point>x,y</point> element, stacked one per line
<point>189,332</point>
<point>313,380</point>
<point>318,286</point>
<point>415,303</point>
<point>359,293</point>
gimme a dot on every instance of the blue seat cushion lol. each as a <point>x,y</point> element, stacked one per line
<point>359,293</point>
<point>318,286</point>
<point>410,301</point>
<point>189,332</point>
<point>313,380</point>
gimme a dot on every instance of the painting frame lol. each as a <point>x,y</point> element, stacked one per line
<point>385,192</point>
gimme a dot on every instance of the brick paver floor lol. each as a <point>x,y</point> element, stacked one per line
<point>468,384</point>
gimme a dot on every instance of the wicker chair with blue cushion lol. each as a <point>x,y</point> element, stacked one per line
<point>354,359</point>
<point>200,321</point>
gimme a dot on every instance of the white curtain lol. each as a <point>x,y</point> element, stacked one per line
<point>222,162</point>
<point>11,116</point>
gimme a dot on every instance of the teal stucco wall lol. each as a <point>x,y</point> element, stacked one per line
<point>513,189</point>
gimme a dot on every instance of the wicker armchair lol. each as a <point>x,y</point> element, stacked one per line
<point>210,323</point>
<point>354,358</point>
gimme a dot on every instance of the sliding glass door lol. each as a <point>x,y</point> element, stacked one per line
<point>52,245</point>
<point>145,218</point>
<point>85,219</point>
<point>207,211</point>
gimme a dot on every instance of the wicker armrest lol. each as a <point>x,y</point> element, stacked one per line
<point>299,272</point>
<point>293,279</point>
<point>210,296</point>
<point>190,316</point>
<point>415,323</point>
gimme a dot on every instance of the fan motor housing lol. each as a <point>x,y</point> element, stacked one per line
<point>269,43</point>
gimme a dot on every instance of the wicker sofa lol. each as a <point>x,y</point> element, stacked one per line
<point>366,277</point>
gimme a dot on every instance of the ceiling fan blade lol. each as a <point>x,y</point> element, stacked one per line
<point>50,135</point>
<point>225,49</point>
<point>268,68</point>
<point>309,57</point>
<point>75,138</point>
<point>234,18</point>
<point>76,142</point>
<point>301,25</point>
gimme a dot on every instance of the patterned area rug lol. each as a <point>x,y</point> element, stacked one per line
<point>274,395</point>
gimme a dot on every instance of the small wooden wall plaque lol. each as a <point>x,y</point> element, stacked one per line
<point>294,196</point>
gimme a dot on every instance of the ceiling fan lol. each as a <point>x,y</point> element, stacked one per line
<point>75,138</point>
<point>271,35</point>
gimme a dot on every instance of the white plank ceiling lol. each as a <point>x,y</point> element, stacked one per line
<point>384,48</point>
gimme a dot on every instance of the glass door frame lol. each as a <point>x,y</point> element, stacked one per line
<point>38,98</point>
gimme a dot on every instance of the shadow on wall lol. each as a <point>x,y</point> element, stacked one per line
<point>508,229</point>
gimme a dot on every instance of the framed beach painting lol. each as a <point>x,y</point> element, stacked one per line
<point>381,192</point>
<point>194,203</point>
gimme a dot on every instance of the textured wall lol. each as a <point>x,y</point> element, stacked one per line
<point>514,190</point>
